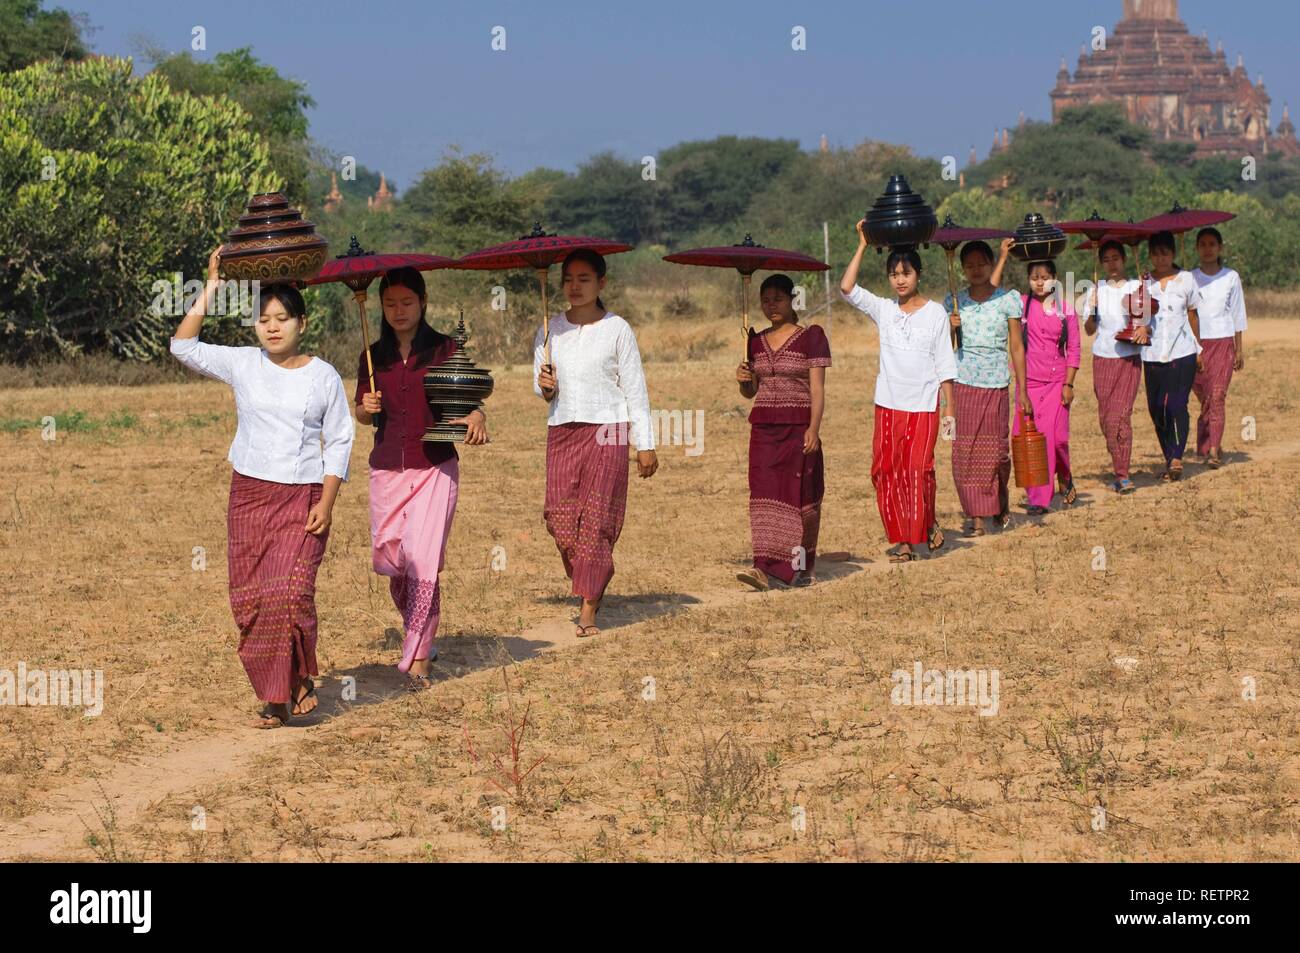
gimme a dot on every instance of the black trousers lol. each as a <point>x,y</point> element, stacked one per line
<point>1169,387</point>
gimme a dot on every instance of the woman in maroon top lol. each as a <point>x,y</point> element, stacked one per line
<point>786,378</point>
<point>413,482</point>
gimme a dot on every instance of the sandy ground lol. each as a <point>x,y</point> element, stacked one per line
<point>706,722</point>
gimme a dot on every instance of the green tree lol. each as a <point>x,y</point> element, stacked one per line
<point>108,183</point>
<point>29,34</point>
<point>713,181</point>
<point>462,204</point>
<point>276,106</point>
<point>606,198</point>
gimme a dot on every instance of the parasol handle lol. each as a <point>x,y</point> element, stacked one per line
<point>365,336</point>
<point>542,274</point>
<point>1096,276</point>
<point>744,315</point>
<point>952,290</point>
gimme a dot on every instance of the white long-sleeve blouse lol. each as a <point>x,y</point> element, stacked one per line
<point>295,426</point>
<point>915,351</point>
<point>598,376</point>
<point>1222,307</point>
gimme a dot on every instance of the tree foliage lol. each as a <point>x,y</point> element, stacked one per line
<point>276,106</point>
<point>29,34</point>
<point>109,182</point>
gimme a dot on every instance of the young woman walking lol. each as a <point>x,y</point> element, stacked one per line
<point>785,376</point>
<point>1221,312</point>
<point>1116,365</point>
<point>991,355</point>
<point>289,458</point>
<point>414,483</point>
<point>916,365</point>
<point>598,401</point>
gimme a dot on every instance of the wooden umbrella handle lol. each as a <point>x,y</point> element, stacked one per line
<point>542,275</point>
<point>365,336</point>
<point>744,315</point>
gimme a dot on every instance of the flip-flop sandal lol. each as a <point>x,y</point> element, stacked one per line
<point>1214,462</point>
<point>297,708</point>
<point>587,631</point>
<point>1004,519</point>
<point>754,578</point>
<point>269,719</point>
<point>1069,494</point>
<point>936,539</point>
<point>897,555</point>
<point>1175,474</point>
<point>1036,510</point>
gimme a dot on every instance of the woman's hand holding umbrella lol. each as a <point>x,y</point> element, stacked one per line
<point>546,381</point>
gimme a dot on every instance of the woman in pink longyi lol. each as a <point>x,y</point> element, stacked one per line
<point>1051,330</point>
<point>413,482</point>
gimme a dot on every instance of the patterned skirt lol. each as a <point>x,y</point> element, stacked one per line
<point>586,497</point>
<point>272,563</point>
<point>902,472</point>
<point>1211,389</point>
<point>981,456</point>
<point>786,487</point>
<point>411,512</point>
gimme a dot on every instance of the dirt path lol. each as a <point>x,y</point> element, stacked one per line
<point>113,801</point>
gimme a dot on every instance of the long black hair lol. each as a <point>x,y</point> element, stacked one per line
<point>1063,338</point>
<point>971,248</point>
<point>1163,240</point>
<point>1108,245</point>
<point>900,255</point>
<point>290,299</point>
<point>387,350</point>
<point>587,256</point>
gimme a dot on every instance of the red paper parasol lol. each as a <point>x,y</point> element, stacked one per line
<point>537,250</point>
<point>1181,220</point>
<point>949,236</point>
<point>1099,230</point>
<point>356,268</point>
<point>747,258</point>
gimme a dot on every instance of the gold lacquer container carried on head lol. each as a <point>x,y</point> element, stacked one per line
<point>455,388</point>
<point>272,242</point>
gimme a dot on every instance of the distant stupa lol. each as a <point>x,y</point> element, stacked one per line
<point>382,200</point>
<point>335,198</point>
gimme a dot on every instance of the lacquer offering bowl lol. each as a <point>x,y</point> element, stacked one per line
<point>455,388</point>
<point>900,217</point>
<point>272,242</point>
<point>1141,307</point>
<point>1038,240</point>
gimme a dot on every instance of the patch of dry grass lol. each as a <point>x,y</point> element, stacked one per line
<point>770,734</point>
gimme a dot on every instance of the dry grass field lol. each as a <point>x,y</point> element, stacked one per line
<point>767,731</point>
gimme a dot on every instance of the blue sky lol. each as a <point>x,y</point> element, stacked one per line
<point>398,81</point>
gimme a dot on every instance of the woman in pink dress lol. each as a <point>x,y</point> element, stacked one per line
<point>1051,330</point>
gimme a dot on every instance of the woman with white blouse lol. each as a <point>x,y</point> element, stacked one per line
<point>916,363</point>
<point>598,402</point>
<point>1222,313</point>
<point>289,458</point>
<point>1116,365</point>
<point>1171,360</point>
